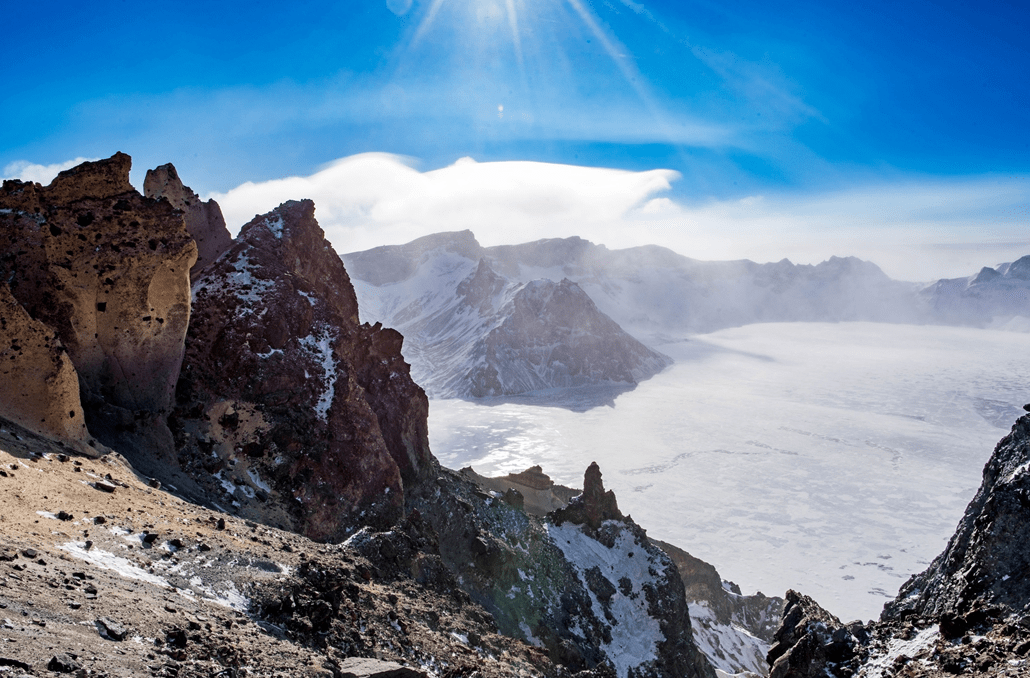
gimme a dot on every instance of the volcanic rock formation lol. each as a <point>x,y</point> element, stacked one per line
<point>305,418</point>
<point>287,413</point>
<point>39,387</point>
<point>596,599</point>
<point>472,332</point>
<point>204,220</point>
<point>108,271</point>
<point>968,613</point>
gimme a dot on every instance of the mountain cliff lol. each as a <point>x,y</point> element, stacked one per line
<point>304,417</point>
<point>107,270</point>
<point>252,492</point>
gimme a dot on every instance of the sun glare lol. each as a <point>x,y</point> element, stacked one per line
<point>525,19</point>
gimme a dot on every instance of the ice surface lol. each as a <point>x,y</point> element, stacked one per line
<point>835,459</point>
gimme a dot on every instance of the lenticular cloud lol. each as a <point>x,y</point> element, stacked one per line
<point>374,198</point>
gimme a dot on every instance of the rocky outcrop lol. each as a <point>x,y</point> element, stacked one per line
<point>594,506</point>
<point>531,490</point>
<point>108,271</point>
<point>968,613</point>
<point>810,641</point>
<point>598,599</point>
<point>204,219</point>
<point>987,561</point>
<point>307,419</point>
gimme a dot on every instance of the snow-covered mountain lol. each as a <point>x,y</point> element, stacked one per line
<point>653,292</point>
<point>472,332</point>
<point>994,297</point>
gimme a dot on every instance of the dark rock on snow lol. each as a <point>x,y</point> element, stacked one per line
<point>968,613</point>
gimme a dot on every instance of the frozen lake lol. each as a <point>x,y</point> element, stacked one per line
<point>835,459</point>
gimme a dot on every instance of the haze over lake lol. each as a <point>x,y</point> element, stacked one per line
<point>835,459</point>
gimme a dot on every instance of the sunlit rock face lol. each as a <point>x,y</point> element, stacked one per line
<point>306,419</point>
<point>108,270</point>
<point>39,387</point>
<point>204,220</point>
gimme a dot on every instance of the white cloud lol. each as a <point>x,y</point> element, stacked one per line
<point>915,230</point>
<point>24,170</point>
<point>374,199</point>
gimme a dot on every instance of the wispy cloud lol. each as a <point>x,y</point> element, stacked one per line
<point>915,229</point>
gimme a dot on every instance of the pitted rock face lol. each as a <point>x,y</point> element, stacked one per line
<point>108,270</point>
<point>39,388</point>
<point>204,220</point>
<point>312,417</point>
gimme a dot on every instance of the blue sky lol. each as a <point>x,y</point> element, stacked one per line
<point>794,105</point>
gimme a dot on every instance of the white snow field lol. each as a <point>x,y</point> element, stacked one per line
<point>835,459</point>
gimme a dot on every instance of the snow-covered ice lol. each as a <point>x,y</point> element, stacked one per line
<point>835,459</point>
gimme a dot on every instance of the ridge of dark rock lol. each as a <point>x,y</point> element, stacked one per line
<point>968,613</point>
<point>282,383</point>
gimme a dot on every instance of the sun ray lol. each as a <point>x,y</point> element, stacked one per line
<point>427,22</point>
<point>634,79</point>
<point>516,37</point>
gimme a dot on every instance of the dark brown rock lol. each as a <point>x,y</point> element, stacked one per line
<point>987,560</point>
<point>282,384</point>
<point>810,641</point>
<point>594,506</point>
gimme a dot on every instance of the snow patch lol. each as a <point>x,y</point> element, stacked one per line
<point>883,666</point>
<point>109,561</point>
<point>635,633</point>
<point>321,349</point>
<point>727,646</point>
<point>275,225</point>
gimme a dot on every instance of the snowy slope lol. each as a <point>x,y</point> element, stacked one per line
<point>995,297</point>
<point>471,332</point>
